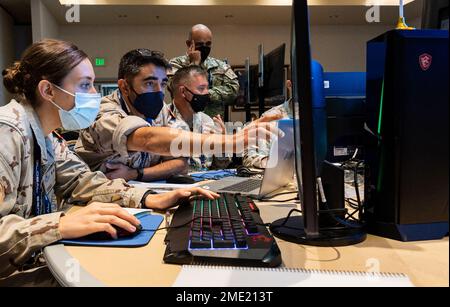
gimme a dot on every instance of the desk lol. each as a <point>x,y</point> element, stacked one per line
<point>426,263</point>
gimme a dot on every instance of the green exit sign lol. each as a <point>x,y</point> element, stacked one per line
<point>99,62</point>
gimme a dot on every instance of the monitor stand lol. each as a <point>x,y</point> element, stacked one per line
<point>293,230</point>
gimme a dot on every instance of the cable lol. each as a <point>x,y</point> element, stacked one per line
<point>287,218</point>
<point>352,203</point>
<point>358,196</point>
<point>280,194</point>
<point>201,217</point>
<point>328,210</point>
<point>277,201</point>
<point>341,221</point>
<point>331,212</point>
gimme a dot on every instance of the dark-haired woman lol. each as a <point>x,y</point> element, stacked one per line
<point>54,83</point>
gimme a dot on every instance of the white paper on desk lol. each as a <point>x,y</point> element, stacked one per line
<point>216,276</point>
<point>133,211</point>
<point>161,187</point>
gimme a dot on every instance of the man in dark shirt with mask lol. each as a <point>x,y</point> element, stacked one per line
<point>136,104</point>
<point>190,91</point>
<point>223,82</point>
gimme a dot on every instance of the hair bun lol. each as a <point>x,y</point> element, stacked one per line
<point>13,79</point>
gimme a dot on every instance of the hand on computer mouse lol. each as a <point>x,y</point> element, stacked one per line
<point>172,199</point>
<point>97,217</point>
<point>105,236</point>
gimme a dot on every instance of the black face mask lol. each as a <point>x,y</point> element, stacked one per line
<point>205,51</point>
<point>149,104</point>
<point>198,102</point>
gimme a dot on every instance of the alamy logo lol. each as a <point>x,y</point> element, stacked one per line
<point>73,13</point>
<point>373,14</point>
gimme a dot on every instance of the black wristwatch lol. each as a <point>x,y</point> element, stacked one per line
<point>149,192</point>
<point>140,175</point>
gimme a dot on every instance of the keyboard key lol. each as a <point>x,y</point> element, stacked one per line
<point>227,223</point>
<point>223,244</point>
<point>241,243</point>
<point>252,229</point>
<point>206,234</point>
<point>200,244</point>
<point>195,233</point>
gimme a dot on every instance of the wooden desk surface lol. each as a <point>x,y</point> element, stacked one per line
<point>426,263</point>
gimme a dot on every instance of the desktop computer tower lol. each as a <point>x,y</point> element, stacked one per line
<point>406,135</point>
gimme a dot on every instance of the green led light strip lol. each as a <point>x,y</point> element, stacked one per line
<point>380,119</point>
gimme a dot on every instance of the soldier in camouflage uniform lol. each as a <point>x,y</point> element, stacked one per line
<point>37,170</point>
<point>189,88</point>
<point>142,80</point>
<point>223,82</point>
<point>257,156</point>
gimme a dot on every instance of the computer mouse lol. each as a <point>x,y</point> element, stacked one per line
<point>243,171</point>
<point>181,179</point>
<point>121,233</point>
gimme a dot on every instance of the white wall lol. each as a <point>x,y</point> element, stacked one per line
<point>343,48</point>
<point>44,24</point>
<point>338,48</point>
<point>6,50</point>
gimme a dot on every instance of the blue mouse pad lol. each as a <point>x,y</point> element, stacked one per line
<point>149,222</point>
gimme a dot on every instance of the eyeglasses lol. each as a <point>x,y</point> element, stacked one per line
<point>149,53</point>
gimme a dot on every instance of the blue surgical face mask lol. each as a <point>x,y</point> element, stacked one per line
<point>83,115</point>
<point>149,104</point>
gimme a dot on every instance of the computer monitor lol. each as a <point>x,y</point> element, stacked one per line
<point>306,228</point>
<point>435,14</point>
<point>253,84</point>
<point>274,75</point>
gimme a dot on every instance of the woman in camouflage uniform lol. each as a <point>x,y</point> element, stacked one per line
<point>36,167</point>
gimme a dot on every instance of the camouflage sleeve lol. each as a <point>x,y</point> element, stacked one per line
<point>220,162</point>
<point>209,126</point>
<point>175,63</point>
<point>110,133</point>
<point>254,155</point>
<point>228,90</point>
<point>10,171</point>
<point>76,183</point>
<point>20,238</point>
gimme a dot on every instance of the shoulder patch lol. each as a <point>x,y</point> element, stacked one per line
<point>230,74</point>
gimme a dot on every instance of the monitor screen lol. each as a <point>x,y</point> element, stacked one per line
<point>303,104</point>
<point>306,228</point>
<point>254,84</point>
<point>435,14</point>
<point>274,73</point>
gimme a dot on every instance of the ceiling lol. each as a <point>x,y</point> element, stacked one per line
<point>280,14</point>
<point>229,2</point>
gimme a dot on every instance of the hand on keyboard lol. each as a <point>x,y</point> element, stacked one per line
<point>172,199</point>
<point>225,231</point>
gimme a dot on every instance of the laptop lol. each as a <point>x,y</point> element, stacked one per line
<point>279,171</point>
